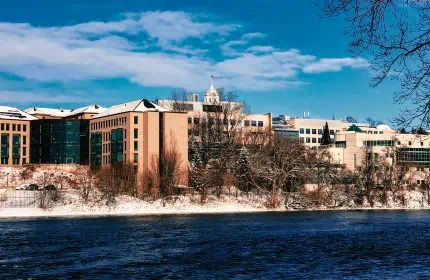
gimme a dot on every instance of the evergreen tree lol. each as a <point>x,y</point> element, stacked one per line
<point>243,171</point>
<point>196,171</point>
<point>326,135</point>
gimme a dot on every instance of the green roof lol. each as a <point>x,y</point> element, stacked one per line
<point>355,129</point>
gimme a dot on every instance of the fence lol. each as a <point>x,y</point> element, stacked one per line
<point>10,198</point>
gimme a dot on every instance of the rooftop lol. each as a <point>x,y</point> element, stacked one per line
<point>140,105</point>
<point>11,113</point>
<point>61,113</point>
<point>48,111</point>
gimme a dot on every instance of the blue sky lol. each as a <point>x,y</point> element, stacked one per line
<point>279,56</point>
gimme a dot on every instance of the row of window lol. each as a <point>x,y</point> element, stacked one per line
<point>409,143</point>
<point>310,140</point>
<point>109,123</point>
<point>15,127</point>
<point>15,161</point>
<point>373,143</point>
<point>232,122</point>
<point>315,131</point>
<point>374,132</point>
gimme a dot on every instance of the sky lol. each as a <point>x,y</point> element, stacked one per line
<point>278,56</point>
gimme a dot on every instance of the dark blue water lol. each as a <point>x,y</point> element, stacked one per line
<point>317,245</point>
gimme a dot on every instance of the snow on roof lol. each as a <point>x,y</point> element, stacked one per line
<point>140,105</point>
<point>61,113</point>
<point>90,109</point>
<point>11,113</point>
<point>49,111</point>
<point>383,127</point>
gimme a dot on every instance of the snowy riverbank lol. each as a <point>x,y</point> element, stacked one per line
<point>71,205</point>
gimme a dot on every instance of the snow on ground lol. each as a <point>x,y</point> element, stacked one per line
<point>72,205</point>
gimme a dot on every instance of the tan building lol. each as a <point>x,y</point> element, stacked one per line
<point>351,147</point>
<point>86,112</point>
<point>311,130</point>
<point>14,136</point>
<point>137,132</point>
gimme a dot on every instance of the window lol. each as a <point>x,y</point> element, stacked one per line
<point>302,130</point>
<point>13,127</point>
<point>136,144</point>
<point>136,120</point>
<point>24,151</point>
<point>260,123</point>
<point>24,161</point>
<point>320,140</point>
<point>196,120</point>
<point>331,132</point>
<point>308,131</point>
<point>24,128</point>
<point>301,139</point>
<point>2,126</point>
<point>246,123</point>
<point>314,131</point>
<point>308,139</point>
<point>253,123</point>
<point>320,131</point>
<point>135,158</point>
<point>314,140</point>
<point>19,127</point>
<point>136,133</point>
<point>24,140</point>
<point>410,143</point>
<point>422,143</point>
<point>7,127</point>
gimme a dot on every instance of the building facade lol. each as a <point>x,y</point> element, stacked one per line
<point>59,141</point>
<point>311,130</point>
<point>352,146</point>
<point>14,136</point>
<point>137,132</point>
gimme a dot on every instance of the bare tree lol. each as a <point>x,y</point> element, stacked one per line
<point>117,179</point>
<point>397,34</point>
<point>180,100</point>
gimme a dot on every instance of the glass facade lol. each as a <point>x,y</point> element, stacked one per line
<point>117,147</point>
<point>378,143</point>
<point>414,156</point>
<point>59,141</point>
<point>96,149</point>
<point>4,148</point>
<point>16,148</point>
<point>290,134</point>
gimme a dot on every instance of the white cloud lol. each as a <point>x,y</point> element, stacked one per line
<point>253,35</point>
<point>106,50</point>
<point>335,64</point>
<point>261,49</point>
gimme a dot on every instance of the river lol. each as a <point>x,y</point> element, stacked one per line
<point>298,245</point>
